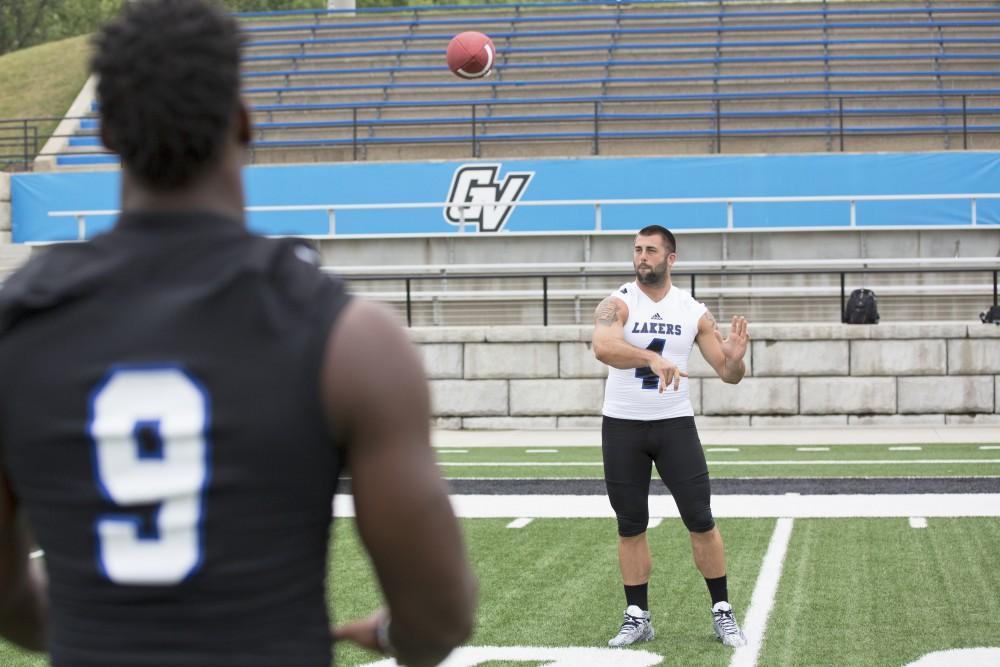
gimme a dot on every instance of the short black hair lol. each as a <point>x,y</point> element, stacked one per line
<point>168,87</point>
<point>668,237</point>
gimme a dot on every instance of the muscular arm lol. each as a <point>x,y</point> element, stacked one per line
<point>610,347</point>
<point>723,355</point>
<point>374,385</point>
<point>608,340</point>
<point>23,606</point>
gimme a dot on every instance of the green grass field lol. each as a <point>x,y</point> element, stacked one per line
<point>853,592</point>
<point>859,592</point>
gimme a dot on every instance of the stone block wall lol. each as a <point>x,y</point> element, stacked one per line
<point>805,375</point>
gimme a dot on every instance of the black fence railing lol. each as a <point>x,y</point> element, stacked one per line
<point>18,144</point>
<point>729,117</point>
<point>843,121</point>
<point>691,276</point>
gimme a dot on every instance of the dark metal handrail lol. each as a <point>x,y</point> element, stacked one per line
<point>692,275</point>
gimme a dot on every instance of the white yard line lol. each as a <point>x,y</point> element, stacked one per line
<point>989,447</point>
<point>797,462</point>
<point>906,448</point>
<point>519,523</point>
<point>762,600</point>
<point>902,505</point>
<point>542,451</point>
<point>517,464</point>
<point>812,449</point>
<point>918,522</point>
<point>453,451</point>
<point>722,449</point>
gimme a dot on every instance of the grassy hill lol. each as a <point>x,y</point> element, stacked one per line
<point>43,80</point>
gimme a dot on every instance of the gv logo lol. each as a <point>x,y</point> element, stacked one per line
<point>477,195</point>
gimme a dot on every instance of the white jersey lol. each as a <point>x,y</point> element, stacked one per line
<point>669,327</point>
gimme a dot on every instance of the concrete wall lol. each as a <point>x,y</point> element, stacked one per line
<point>4,208</point>
<point>805,374</point>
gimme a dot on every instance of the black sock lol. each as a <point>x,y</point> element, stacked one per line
<point>637,595</point>
<point>717,589</point>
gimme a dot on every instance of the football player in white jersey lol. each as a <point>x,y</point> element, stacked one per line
<point>644,332</point>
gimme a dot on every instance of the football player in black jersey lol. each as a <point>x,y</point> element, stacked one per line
<point>180,397</point>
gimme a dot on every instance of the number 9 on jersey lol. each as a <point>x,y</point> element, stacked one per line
<point>148,426</point>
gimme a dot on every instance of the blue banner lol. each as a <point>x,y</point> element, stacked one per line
<point>34,196</point>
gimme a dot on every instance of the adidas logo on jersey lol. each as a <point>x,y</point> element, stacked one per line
<point>656,316</point>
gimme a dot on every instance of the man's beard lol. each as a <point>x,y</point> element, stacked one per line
<point>655,276</point>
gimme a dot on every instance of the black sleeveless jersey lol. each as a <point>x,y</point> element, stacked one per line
<point>161,425</point>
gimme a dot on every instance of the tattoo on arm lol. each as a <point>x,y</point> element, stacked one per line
<point>607,311</point>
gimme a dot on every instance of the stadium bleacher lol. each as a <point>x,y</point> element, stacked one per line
<point>629,79</point>
<point>640,78</point>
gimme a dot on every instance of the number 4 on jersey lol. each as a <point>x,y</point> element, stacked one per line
<point>651,380</point>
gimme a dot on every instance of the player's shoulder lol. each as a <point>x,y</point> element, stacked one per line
<point>682,295</point>
<point>623,296</point>
<point>294,269</point>
<point>688,302</point>
<point>292,259</point>
<point>55,275</point>
<point>625,292</point>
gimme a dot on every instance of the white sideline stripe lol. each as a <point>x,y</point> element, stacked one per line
<point>453,451</point>
<point>989,446</point>
<point>36,554</point>
<point>723,449</point>
<point>812,449</point>
<point>654,521</point>
<point>797,462</point>
<point>902,505</point>
<point>906,448</point>
<point>918,522</point>
<point>519,523</point>
<point>762,599</point>
<point>517,464</point>
<point>542,451</point>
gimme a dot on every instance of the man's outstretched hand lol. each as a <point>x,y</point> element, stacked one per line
<point>362,631</point>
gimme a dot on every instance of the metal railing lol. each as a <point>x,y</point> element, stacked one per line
<point>542,294</point>
<point>728,117</point>
<point>18,143</point>
<point>726,121</point>
<point>470,210</point>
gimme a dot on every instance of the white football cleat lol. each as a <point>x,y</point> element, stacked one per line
<point>636,627</point>
<point>726,628</point>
